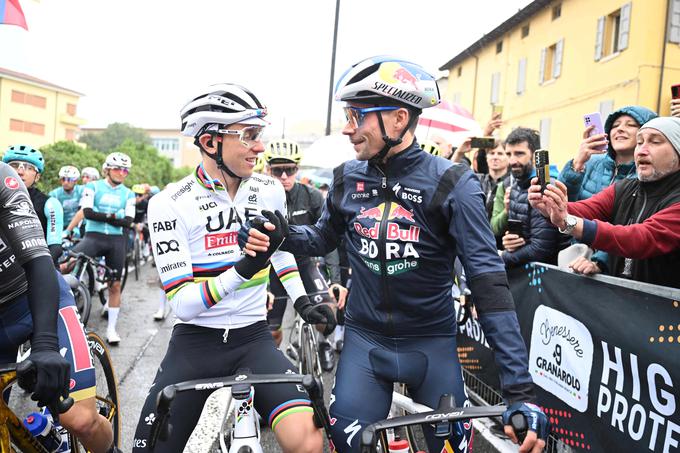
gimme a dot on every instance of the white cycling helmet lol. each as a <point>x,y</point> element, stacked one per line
<point>69,171</point>
<point>91,173</point>
<point>117,160</point>
<point>225,104</point>
<point>383,78</point>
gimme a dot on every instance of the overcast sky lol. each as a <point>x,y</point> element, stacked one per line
<point>137,61</point>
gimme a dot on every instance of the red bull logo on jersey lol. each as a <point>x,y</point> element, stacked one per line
<point>396,212</point>
<point>392,233</point>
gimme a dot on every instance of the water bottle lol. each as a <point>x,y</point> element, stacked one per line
<point>65,444</point>
<point>41,427</point>
<point>398,446</point>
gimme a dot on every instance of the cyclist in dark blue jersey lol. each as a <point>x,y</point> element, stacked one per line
<point>405,216</point>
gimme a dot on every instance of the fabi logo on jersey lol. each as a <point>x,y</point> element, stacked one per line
<point>216,240</point>
<point>165,225</point>
<point>164,247</point>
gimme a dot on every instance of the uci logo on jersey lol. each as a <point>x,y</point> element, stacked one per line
<point>164,247</point>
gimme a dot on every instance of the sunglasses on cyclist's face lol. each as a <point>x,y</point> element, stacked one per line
<point>25,166</point>
<point>289,170</point>
<point>123,170</point>
<point>355,116</point>
<point>248,136</point>
<point>69,179</point>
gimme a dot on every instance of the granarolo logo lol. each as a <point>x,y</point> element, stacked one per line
<point>561,356</point>
<point>11,183</point>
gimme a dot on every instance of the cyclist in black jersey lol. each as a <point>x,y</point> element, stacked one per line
<point>37,304</point>
<point>304,205</point>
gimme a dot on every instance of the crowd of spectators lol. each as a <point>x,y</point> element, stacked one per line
<point>613,209</point>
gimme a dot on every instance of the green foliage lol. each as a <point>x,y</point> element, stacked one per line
<point>66,153</point>
<point>114,136</point>
<point>147,165</point>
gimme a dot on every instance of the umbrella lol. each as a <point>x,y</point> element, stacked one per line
<point>450,121</point>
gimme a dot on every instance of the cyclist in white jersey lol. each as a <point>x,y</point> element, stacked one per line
<point>217,294</point>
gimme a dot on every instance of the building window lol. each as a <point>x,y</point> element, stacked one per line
<point>521,76</point>
<point>456,98</point>
<point>551,62</point>
<point>460,71</point>
<point>606,107</point>
<point>26,126</point>
<point>71,109</point>
<point>544,130</point>
<point>499,47</point>
<point>612,32</point>
<point>166,144</point>
<point>525,31</point>
<point>557,11</point>
<point>29,99</point>
<point>70,135</point>
<point>495,88</point>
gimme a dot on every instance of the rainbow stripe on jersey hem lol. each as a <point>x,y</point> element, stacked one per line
<point>287,408</point>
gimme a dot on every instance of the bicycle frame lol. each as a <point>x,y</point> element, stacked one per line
<point>314,388</point>
<point>12,430</point>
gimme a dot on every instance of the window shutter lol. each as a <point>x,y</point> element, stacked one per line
<point>557,64</point>
<point>521,75</point>
<point>674,34</point>
<point>599,38</point>
<point>495,86</point>
<point>606,107</point>
<point>624,28</point>
<point>541,67</point>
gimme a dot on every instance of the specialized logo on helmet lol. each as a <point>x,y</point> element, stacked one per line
<point>398,79</point>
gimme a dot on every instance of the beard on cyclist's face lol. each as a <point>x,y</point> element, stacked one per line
<point>366,137</point>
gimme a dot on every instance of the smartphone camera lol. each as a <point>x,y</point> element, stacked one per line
<point>542,163</point>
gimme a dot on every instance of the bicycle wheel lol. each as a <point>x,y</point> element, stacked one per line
<point>83,302</point>
<point>309,353</point>
<point>124,276</point>
<point>106,390</point>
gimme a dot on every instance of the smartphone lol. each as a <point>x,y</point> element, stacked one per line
<point>483,142</point>
<point>675,91</point>
<point>515,227</point>
<point>595,119</point>
<point>542,165</point>
<point>497,111</point>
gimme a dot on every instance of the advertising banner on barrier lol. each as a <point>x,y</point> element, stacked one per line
<point>605,360</point>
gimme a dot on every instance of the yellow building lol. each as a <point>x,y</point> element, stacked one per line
<point>35,112</point>
<point>555,61</point>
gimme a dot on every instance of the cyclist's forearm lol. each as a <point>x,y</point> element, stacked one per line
<point>125,222</point>
<point>91,214</point>
<point>55,252</point>
<point>287,270</point>
<point>190,299</point>
<point>43,301</point>
<point>76,220</point>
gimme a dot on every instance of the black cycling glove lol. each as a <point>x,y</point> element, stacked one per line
<point>52,376</point>
<point>316,314</point>
<point>248,265</point>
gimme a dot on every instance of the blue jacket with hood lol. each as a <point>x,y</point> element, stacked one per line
<point>404,223</point>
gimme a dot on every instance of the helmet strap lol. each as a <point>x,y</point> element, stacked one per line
<point>217,157</point>
<point>389,142</point>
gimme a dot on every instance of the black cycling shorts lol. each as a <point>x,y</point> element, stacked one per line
<point>315,287</point>
<point>198,352</point>
<point>112,247</point>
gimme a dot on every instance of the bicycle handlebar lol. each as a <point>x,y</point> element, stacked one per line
<point>369,438</point>
<point>89,259</point>
<point>27,376</point>
<point>161,429</point>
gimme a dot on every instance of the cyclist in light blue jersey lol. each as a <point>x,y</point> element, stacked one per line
<point>29,164</point>
<point>109,207</point>
<point>68,194</point>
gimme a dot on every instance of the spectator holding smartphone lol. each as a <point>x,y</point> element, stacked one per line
<point>538,241</point>
<point>637,221</point>
<point>675,107</point>
<point>593,169</point>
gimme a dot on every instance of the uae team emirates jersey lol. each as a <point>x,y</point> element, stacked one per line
<point>194,225</point>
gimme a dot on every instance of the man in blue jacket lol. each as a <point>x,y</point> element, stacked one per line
<point>595,168</point>
<point>405,215</point>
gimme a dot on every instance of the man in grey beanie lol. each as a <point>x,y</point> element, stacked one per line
<point>637,221</point>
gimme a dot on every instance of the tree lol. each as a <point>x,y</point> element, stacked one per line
<point>114,136</point>
<point>66,153</point>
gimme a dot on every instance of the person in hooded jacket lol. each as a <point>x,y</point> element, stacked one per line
<point>593,169</point>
